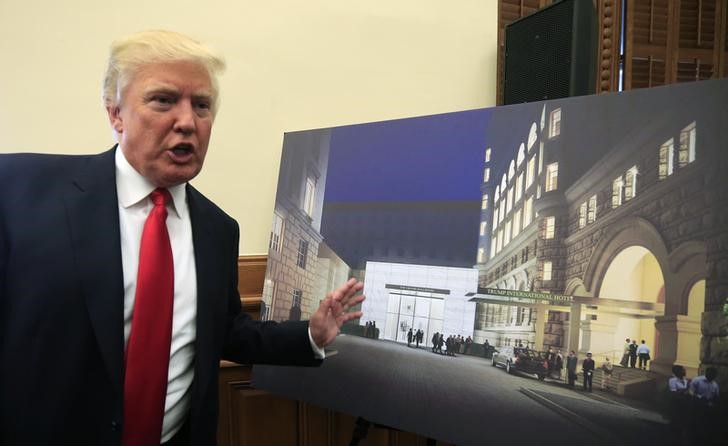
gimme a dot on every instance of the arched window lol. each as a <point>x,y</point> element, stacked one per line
<point>521,154</point>
<point>532,136</point>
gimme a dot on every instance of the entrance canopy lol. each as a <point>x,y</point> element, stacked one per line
<point>532,299</point>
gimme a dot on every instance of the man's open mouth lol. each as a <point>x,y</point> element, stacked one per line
<point>182,149</point>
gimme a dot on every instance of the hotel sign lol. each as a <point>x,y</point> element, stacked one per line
<point>525,297</point>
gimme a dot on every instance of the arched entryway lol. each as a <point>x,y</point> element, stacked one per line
<point>633,275</point>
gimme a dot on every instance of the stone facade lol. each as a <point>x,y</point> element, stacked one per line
<point>300,265</point>
<point>678,218</point>
<point>715,319</point>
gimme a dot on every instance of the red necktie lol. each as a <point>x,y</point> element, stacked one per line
<point>147,353</point>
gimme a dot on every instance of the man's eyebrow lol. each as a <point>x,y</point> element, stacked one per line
<point>168,89</point>
<point>155,89</point>
<point>202,95</point>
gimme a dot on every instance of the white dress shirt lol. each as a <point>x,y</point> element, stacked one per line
<point>134,206</point>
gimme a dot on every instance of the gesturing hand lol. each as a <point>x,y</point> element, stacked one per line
<point>333,312</point>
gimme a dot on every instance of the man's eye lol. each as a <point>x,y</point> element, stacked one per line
<point>163,99</point>
<point>203,105</point>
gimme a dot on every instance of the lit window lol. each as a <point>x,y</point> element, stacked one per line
<point>555,123</point>
<point>276,233</point>
<point>500,241</point>
<point>483,227</point>
<point>617,186</point>
<point>502,212</point>
<point>511,170</point>
<point>521,155</point>
<point>302,253</point>
<point>496,196</point>
<point>507,234</point>
<point>516,223</point>
<point>686,153</point>
<point>495,218</point>
<point>519,187</point>
<point>547,270</point>
<point>630,183</point>
<point>528,212</point>
<point>549,224</point>
<point>309,197</point>
<point>504,183</point>
<point>487,155</point>
<point>552,175</point>
<point>492,248</point>
<point>509,203</point>
<point>481,255</point>
<point>486,175</point>
<point>582,215</point>
<point>297,296</point>
<point>484,204</point>
<point>666,159</point>
<point>591,211</point>
<point>530,171</point>
<point>520,315</point>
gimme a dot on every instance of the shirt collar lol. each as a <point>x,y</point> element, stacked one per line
<point>132,187</point>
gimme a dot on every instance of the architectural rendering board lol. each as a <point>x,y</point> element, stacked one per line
<point>546,227</point>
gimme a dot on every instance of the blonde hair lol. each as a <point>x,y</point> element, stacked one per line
<point>130,53</point>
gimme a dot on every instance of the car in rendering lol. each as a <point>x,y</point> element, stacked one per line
<point>522,360</point>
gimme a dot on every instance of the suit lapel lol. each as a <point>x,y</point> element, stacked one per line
<point>207,259</point>
<point>93,216</point>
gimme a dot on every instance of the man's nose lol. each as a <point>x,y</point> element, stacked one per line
<point>185,118</point>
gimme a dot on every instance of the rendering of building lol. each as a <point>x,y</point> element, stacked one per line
<point>587,221</point>
<point>613,211</point>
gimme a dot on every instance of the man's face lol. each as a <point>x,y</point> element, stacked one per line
<point>164,120</point>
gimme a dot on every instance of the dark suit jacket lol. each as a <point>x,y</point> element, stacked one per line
<point>61,305</point>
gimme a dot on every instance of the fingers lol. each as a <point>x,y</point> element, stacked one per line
<point>340,310</point>
<point>353,315</point>
<point>347,291</point>
<point>339,301</point>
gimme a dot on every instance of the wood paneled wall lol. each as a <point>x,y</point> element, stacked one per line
<point>253,417</point>
<point>665,41</point>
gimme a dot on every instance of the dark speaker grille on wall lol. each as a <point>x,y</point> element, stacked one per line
<point>551,53</point>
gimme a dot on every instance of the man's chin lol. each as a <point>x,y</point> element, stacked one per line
<point>177,177</point>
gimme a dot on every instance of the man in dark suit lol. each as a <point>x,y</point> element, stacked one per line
<point>70,235</point>
<point>587,367</point>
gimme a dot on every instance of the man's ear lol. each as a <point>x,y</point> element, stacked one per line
<point>115,118</point>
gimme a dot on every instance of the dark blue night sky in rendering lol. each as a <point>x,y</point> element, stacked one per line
<point>431,158</point>
<point>408,190</point>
